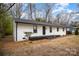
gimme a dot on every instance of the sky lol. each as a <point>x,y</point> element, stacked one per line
<point>59,7</point>
<point>70,6</point>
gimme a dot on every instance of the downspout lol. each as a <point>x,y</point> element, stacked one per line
<point>16,30</point>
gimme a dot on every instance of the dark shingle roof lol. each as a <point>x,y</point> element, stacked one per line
<point>26,21</point>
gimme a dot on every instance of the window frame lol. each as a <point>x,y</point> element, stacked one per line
<point>63,29</point>
<point>50,29</point>
<point>34,29</point>
<point>57,29</point>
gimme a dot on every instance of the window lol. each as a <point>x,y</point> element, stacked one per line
<point>57,29</point>
<point>35,29</point>
<point>50,29</point>
<point>63,29</point>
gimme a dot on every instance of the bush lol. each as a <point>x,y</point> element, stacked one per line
<point>5,21</point>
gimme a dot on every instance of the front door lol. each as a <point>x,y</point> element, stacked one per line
<point>44,30</point>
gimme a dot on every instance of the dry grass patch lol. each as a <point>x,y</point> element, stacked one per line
<point>66,41</point>
<point>68,45</point>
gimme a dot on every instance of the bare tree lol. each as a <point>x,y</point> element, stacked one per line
<point>16,10</point>
<point>48,11</point>
<point>31,11</point>
<point>64,18</point>
<point>34,10</point>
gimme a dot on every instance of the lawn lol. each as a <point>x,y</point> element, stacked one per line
<point>68,45</point>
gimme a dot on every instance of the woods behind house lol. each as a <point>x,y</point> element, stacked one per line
<point>32,12</point>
